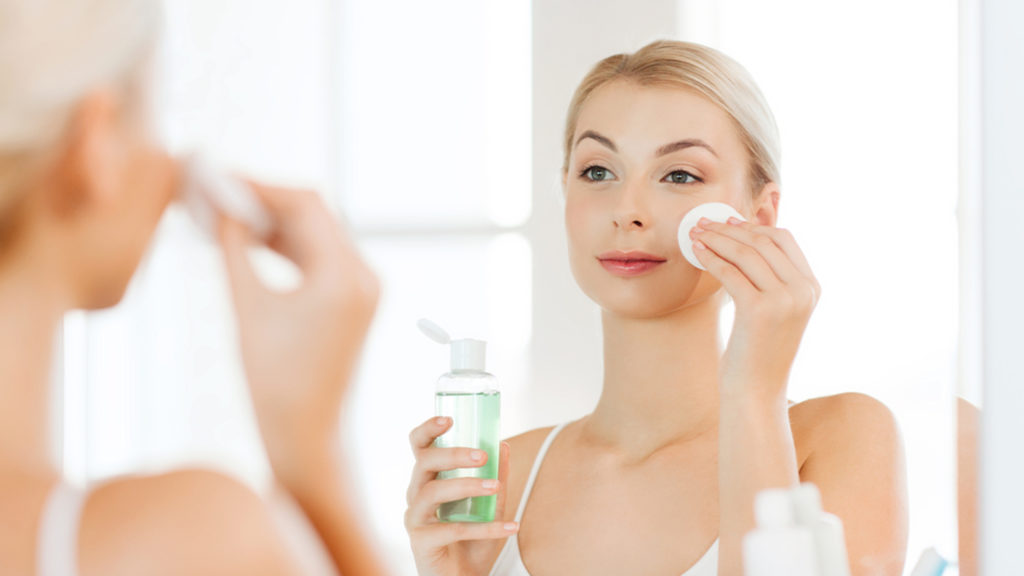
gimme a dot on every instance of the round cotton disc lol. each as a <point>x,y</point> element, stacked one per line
<point>714,211</point>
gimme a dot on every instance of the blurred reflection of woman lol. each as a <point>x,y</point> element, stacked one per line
<point>82,187</point>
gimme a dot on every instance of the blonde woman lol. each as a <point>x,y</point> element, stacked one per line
<point>660,478</point>
<point>82,186</point>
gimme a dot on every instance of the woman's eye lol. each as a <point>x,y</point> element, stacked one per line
<point>682,177</point>
<point>597,174</point>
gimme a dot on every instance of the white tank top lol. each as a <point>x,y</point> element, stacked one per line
<point>57,541</point>
<point>510,562</point>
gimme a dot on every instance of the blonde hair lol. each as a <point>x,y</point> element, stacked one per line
<point>52,53</point>
<point>705,70</point>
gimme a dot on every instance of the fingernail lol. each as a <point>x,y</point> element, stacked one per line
<point>476,455</point>
<point>489,484</point>
<point>696,230</point>
<point>703,222</point>
<point>699,245</point>
<point>510,526</point>
<point>734,220</point>
<point>441,420</point>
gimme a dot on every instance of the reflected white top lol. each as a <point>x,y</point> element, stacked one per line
<point>510,562</point>
<point>57,542</point>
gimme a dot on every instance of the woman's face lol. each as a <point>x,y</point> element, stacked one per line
<point>642,157</point>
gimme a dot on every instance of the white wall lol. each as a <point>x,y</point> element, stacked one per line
<point>1000,50</point>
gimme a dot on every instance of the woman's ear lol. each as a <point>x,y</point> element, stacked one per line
<point>766,205</point>
<point>86,170</point>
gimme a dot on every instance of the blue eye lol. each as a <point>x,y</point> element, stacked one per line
<point>597,174</point>
<point>682,177</point>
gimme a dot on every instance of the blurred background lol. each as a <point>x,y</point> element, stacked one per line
<point>435,129</point>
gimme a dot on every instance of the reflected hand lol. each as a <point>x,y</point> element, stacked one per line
<point>299,348</point>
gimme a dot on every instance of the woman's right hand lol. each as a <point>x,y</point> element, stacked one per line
<point>452,548</point>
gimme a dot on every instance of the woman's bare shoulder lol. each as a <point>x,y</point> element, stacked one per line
<point>849,445</point>
<point>181,522</point>
<point>830,421</point>
<point>523,450</point>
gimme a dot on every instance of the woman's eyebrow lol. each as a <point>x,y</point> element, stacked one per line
<point>684,144</point>
<point>607,142</point>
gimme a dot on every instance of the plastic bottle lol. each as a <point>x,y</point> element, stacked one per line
<point>778,546</point>
<point>470,397</point>
<point>827,530</point>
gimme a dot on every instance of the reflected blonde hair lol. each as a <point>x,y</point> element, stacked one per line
<point>52,54</point>
<point>708,72</point>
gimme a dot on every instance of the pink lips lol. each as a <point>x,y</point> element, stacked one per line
<point>631,263</point>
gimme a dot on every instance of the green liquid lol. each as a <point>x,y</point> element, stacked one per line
<point>475,424</point>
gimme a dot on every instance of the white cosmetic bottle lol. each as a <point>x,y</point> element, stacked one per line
<point>827,530</point>
<point>778,546</point>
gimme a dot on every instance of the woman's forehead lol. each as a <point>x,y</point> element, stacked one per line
<point>647,117</point>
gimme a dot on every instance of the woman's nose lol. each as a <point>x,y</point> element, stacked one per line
<point>633,211</point>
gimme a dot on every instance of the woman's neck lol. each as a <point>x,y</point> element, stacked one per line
<point>31,310</point>
<point>660,380</point>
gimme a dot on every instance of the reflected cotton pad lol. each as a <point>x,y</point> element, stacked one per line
<point>714,211</point>
<point>208,192</point>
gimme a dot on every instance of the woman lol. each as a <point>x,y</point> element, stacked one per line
<point>660,478</point>
<point>82,187</point>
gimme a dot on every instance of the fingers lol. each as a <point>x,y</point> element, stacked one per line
<point>769,258</point>
<point>234,242</point>
<point>423,436</point>
<point>423,508</point>
<point>741,248</point>
<point>785,241</point>
<point>430,461</point>
<point>441,534</point>
<point>734,281</point>
<point>762,240</point>
<point>503,470</point>
<point>305,231</point>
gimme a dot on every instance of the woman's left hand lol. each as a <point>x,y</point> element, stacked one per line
<point>775,292</point>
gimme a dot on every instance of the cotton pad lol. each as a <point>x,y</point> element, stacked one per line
<point>714,211</point>
<point>209,192</point>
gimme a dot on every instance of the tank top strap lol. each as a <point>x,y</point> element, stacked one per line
<point>536,468</point>
<point>57,544</point>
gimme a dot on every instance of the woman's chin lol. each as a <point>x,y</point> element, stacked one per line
<point>653,302</point>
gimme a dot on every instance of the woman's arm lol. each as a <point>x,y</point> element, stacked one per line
<point>324,492</point>
<point>774,290</point>
<point>755,451</point>
<point>858,463</point>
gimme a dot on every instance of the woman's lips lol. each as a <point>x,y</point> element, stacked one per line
<point>629,263</point>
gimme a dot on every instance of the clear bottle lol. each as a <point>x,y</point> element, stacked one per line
<point>470,397</point>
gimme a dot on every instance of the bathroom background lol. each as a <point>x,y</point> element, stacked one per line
<point>437,135</point>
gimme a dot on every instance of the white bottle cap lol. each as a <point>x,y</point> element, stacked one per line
<point>773,508</point>
<point>807,504</point>
<point>714,211</point>
<point>468,354</point>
